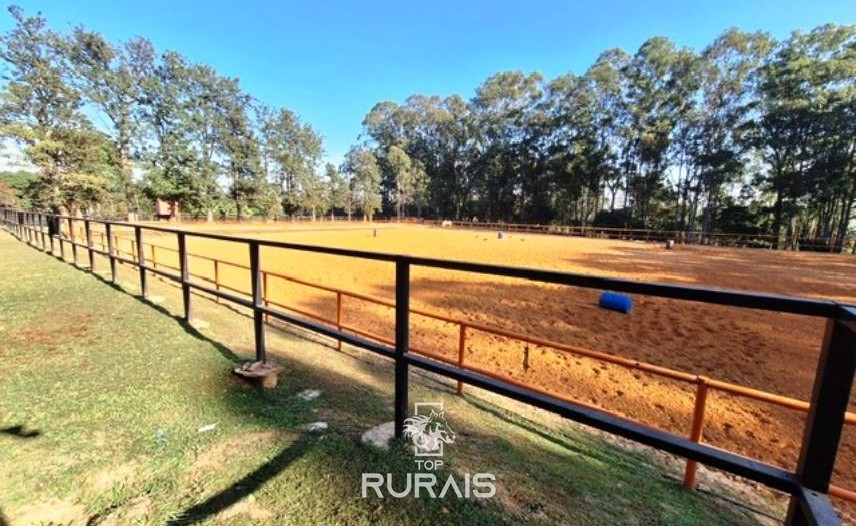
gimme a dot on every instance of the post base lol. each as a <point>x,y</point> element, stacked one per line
<point>265,374</point>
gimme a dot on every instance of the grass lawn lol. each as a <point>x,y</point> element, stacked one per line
<point>102,397</point>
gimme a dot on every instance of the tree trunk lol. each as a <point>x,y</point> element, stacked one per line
<point>843,224</point>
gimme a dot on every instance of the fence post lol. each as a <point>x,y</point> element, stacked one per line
<point>73,241</point>
<point>154,259</point>
<point>111,252</point>
<point>462,343</point>
<point>43,221</point>
<point>59,237</point>
<point>89,245</point>
<point>217,278</point>
<point>825,420</point>
<point>265,294</point>
<point>696,432</point>
<point>402,334</point>
<point>185,275</point>
<point>40,220</point>
<point>258,315</point>
<point>141,261</point>
<point>339,317</point>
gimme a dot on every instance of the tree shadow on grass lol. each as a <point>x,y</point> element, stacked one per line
<point>188,328</point>
<point>245,486</point>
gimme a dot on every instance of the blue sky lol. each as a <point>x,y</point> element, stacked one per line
<point>331,61</point>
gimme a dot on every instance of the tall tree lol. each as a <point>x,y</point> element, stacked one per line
<point>338,191</point>
<point>402,170</point>
<point>41,110</point>
<point>805,91</point>
<point>661,84</point>
<point>240,150</point>
<point>728,78</point>
<point>361,164</point>
<point>293,149</point>
<point>109,82</point>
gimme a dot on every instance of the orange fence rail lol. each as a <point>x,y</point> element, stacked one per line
<point>702,383</point>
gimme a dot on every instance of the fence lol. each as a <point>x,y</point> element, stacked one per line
<point>823,244</point>
<point>702,384</point>
<point>808,485</point>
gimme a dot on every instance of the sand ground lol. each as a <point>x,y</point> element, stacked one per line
<point>764,350</point>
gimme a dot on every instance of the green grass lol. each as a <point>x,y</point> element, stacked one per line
<point>117,390</point>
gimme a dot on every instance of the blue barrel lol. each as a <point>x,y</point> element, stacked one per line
<point>617,302</point>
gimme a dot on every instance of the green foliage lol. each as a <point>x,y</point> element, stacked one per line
<point>365,174</point>
<point>13,188</point>
<point>195,134</point>
<point>667,136</point>
<point>292,149</point>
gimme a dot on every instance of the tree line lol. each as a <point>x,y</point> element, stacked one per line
<point>111,127</point>
<point>748,135</point>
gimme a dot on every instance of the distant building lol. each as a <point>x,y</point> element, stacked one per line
<point>167,210</point>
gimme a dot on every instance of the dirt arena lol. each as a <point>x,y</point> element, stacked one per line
<point>763,350</point>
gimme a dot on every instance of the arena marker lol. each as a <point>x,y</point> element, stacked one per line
<point>616,302</point>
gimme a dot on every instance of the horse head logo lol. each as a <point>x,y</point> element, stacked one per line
<point>429,432</point>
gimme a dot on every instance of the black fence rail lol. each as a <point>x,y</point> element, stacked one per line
<point>814,244</point>
<point>808,485</point>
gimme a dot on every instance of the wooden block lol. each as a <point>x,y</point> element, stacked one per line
<point>264,373</point>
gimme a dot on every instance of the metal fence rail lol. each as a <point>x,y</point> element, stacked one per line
<point>808,485</point>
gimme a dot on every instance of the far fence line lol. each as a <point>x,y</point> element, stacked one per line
<point>697,237</point>
<point>824,244</point>
<point>808,485</point>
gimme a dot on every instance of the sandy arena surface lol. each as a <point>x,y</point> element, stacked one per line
<point>764,350</point>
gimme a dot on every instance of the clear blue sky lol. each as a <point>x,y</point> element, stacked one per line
<point>330,61</point>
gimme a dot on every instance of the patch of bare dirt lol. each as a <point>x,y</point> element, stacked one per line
<point>53,511</point>
<point>221,453</point>
<point>106,478</point>
<point>252,509</point>
<point>138,510</point>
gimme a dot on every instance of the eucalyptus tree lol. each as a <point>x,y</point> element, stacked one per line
<point>402,172</point>
<point>805,130</point>
<point>338,191</point>
<point>239,148</point>
<point>728,75</point>
<point>607,82</point>
<point>661,83</point>
<point>210,97</point>
<point>361,164</point>
<point>505,156</point>
<point>293,150</point>
<point>107,80</point>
